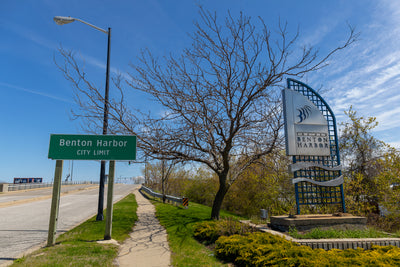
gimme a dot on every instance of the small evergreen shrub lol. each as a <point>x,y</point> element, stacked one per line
<point>206,231</point>
<point>244,246</point>
<point>264,249</point>
<point>209,231</point>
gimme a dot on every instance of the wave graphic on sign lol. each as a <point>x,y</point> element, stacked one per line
<point>304,113</point>
<point>334,182</point>
<point>303,165</point>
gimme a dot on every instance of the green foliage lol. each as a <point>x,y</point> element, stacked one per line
<point>361,151</point>
<point>264,249</point>
<point>389,180</point>
<point>358,146</point>
<point>179,222</point>
<point>202,191</point>
<point>206,231</point>
<point>318,233</point>
<point>265,185</point>
<point>357,195</point>
<point>209,231</point>
<point>200,186</point>
<point>372,170</point>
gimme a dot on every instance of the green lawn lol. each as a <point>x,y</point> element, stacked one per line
<point>317,233</point>
<point>178,221</point>
<point>78,247</point>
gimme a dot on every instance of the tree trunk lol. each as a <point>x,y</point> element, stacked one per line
<point>219,197</point>
<point>163,180</point>
<point>163,191</point>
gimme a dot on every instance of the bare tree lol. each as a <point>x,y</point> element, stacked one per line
<point>221,96</point>
<point>159,173</point>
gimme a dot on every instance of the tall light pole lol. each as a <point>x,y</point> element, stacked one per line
<point>65,20</point>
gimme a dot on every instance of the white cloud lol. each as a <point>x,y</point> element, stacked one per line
<point>40,40</point>
<point>367,75</point>
<point>29,34</point>
<point>19,88</point>
<point>102,65</point>
<point>389,119</point>
<point>323,29</point>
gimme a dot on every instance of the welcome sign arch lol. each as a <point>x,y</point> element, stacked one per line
<point>312,141</point>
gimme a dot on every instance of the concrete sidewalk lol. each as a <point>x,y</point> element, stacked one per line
<point>147,245</point>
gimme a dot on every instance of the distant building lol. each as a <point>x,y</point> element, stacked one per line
<point>27,180</point>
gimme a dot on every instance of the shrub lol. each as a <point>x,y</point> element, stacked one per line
<point>260,249</point>
<point>264,249</point>
<point>209,231</point>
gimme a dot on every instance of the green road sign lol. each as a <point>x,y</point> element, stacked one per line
<point>92,147</point>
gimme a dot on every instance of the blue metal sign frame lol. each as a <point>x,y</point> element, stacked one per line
<point>318,170</point>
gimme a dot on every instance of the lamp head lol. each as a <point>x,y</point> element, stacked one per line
<point>63,20</point>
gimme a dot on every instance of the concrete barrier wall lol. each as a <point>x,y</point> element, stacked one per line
<point>27,186</point>
<point>3,188</point>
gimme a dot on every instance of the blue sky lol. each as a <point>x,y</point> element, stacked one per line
<point>36,100</point>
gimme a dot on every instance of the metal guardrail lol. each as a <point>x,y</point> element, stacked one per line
<point>16,187</point>
<point>178,200</point>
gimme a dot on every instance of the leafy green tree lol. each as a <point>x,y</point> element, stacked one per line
<point>359,148</point>
<point>369,164</point>
<point>265,185</point>
<point>389,181</point>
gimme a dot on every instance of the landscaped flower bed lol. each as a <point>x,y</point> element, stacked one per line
<point>265,249</point>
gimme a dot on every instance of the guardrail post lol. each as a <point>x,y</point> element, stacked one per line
<point>185,202</point>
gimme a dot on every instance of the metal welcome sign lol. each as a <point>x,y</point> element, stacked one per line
<point>87,147</point>
<point>311,138</point>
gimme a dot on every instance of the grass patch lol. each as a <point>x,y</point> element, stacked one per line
<point>317,233</point>
<point>78,247</point>
<point>186,250</point>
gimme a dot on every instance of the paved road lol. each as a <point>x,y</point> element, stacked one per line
<point>25,226</point>
<point>22,196</point>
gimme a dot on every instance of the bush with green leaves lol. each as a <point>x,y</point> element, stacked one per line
<point>264,249</point>
<point>209,231</point>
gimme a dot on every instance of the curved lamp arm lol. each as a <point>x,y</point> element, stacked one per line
<point>59,20</point>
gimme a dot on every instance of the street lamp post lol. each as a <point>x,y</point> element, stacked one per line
<point>65,20</point>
